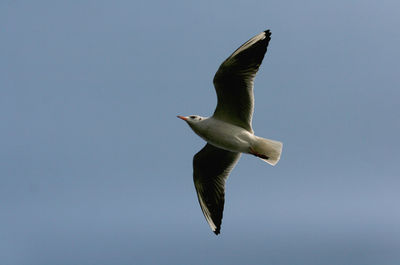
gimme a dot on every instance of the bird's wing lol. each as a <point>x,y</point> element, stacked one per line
<point>234,81</point>
<point>211,167</point>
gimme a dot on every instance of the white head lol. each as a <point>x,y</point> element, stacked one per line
<point>192,119</point>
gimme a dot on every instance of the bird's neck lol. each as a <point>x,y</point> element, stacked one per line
<point>200,126</point>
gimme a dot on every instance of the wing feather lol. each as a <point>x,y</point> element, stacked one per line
<point>234,81</point>
<point>211,167</point>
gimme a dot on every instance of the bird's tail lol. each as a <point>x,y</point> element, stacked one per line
<point>267,150</point>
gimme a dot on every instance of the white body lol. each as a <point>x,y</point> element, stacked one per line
<point>224,135</point>
<point>236,139</point>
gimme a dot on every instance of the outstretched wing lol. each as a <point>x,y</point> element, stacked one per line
<point>234,82</point>
<point>211,167</point>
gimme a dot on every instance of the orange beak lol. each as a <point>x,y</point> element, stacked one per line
<point>181,117</point>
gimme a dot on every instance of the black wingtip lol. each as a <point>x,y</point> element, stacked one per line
<point>267,32</point>
<point>217,231</point>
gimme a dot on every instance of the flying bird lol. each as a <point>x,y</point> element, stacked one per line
<point>228,132</point>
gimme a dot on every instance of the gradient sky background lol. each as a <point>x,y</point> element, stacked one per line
<point>95,168</point>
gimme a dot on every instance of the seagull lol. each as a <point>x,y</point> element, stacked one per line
<point>228,132</point>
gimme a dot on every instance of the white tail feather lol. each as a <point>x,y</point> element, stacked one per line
<point>267,148</point>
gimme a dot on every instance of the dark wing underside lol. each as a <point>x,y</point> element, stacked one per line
<point>211,167</point>
<point>234,81</point>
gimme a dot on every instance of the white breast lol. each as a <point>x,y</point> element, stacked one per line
<point>224,135</point>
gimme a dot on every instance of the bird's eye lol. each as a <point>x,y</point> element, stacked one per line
<point>192,117</point>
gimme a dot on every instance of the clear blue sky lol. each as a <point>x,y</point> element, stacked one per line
<point>95,168</point>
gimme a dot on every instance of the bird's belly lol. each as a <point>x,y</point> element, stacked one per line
<point>228,137</point>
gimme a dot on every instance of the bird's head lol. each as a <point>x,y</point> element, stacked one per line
<point>192,119</point>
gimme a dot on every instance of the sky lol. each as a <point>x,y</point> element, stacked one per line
<point>95,168</point>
